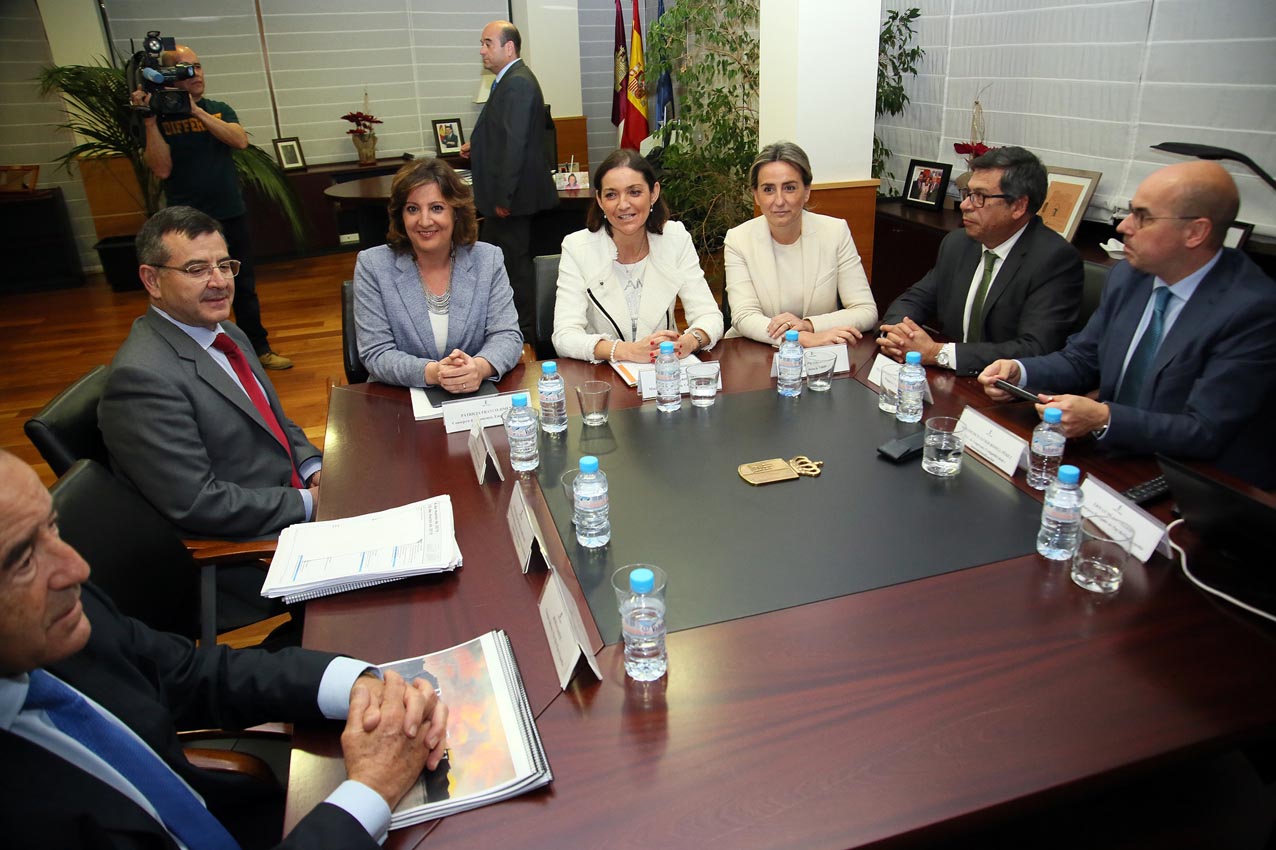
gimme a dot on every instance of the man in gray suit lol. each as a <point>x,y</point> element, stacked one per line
<point>188,414</point>
<point>511,167</point>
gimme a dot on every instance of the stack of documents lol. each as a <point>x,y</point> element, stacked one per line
<point>494,751</point>
<point>319,558</point>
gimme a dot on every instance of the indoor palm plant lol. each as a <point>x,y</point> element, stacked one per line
<point>98,112</point>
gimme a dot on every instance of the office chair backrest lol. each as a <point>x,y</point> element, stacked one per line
<point>65,430</point>
<point>1096,275</point>
<point>546,294</point>
<point>134,553</point>
<point>355,371</point>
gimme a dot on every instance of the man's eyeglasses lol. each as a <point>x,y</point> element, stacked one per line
<point>1139,217</point>
<point>203,272</point>
<point>978,199</point>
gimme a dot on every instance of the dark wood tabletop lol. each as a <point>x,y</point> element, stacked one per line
<point>908,712</point>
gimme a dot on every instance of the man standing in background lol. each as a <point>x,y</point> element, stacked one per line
<point>193,156</point>
<point>511,167</point>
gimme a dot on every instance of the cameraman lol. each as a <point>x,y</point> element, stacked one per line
<point>192,155</point>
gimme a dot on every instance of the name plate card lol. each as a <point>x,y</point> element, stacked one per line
<point>875,375</point>
<point>526,531</point>
<point>1149,532</point>
<point>840,365</point>
<point>1004,449</point>
<point>481,450</point>
<point>647,383</point>
<point>565,630</point>
<point>459,415</point>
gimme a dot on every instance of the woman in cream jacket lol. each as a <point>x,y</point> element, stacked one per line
<point>791,268</point>
<point>618,279</point>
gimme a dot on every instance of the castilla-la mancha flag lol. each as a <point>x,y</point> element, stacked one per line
<point>636,127</point>
<point>620,72</point>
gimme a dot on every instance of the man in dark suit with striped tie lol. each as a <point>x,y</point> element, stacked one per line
<point>1180,356</point>
<point>90,702</point>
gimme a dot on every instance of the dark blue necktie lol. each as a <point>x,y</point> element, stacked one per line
<point>182,813</point>
<point>1141,361</point>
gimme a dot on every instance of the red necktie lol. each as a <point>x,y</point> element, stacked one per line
<point>225,345</point>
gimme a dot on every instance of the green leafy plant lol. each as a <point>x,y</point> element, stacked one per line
<point>896,60</point>
<point>711,48</point>
<point>98,111</point>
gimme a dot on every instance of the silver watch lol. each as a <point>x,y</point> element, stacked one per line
<point>943,359</point>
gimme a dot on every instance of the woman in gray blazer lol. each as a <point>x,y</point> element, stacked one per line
<point>791,269</point>
<point>434,307</point>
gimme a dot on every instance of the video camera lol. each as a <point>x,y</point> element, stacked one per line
<point>145,70</point>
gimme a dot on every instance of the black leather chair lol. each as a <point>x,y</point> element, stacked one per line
<point>1096,275</point>
<point>546,293</point>
<point>65,429</point>
<point>355,371</point>
<point>141,561</point>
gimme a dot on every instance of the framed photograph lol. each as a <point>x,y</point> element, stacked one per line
<point>448,136</point>
<point>1237,235</point>
<point>571,180</point>
<point>926,182</point>
<point>288,152</point>
<point>1068,194</point>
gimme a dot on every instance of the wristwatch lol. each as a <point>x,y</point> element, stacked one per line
<point>943,359</point>
<point>701,337</point>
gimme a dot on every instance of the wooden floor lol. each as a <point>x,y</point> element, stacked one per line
<point>48,339</point>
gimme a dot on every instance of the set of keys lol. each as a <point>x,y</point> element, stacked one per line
<point>778,469</point>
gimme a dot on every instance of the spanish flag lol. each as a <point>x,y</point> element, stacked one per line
<point>636,127</point>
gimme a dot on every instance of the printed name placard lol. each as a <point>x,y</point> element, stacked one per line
<point>459,415</point>
<point>1003,449</point>
<point>481,450</point>
<point>875,375</point>
<point>1149,532</point>
<point>842,362</point>
<point>526,531</point>
<point>565,630</point>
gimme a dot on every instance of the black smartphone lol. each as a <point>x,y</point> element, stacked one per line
<point>1017,392</point>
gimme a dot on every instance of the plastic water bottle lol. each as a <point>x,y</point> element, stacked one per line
<point>668,379</point>
<point>642,621</point>
<point>912,388</point>
<point>520,427</point>
<point>553,399</point>
<point>788,366</point>
<point>1061,516</point>
<point>589,497</point>
<point>1047,449</point>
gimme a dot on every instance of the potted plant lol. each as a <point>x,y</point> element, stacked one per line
<point>364,135</point>
<point>896,60</point>
<point>98,111</point>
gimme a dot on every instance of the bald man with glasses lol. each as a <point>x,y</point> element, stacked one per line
<point>1004,285</point>
<point>1180,356</point>
<point>189,417</point>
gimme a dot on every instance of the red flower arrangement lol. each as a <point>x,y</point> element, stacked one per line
<point>971,149</point>
<point>362,123</point>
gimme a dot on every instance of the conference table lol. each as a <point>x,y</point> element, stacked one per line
<point>905,713</point>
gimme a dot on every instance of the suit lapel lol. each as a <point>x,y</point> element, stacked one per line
<point>1121,334</point>
<point>462,303</point>
<point>767,280</point>
<point>1194,315</point>
<point>407,285</point>
<point>1009,267</point>
<point>810,242</point>
<point>207,369</point>
<point>964,273</point>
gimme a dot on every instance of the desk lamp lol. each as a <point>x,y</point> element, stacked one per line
<point>1211,152</point>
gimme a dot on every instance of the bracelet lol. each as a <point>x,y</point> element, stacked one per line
<point>612,356</point>
<point>701,341</point>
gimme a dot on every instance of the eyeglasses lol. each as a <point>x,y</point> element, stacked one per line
<point>1139,217</point>
<point>203,272</point>
<point>978,199</point>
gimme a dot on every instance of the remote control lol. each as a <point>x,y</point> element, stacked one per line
<point>1149,491</point>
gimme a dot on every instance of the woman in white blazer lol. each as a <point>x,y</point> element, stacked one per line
<point>619,278</point>
<point>434,307</point>
<point>791,268</point>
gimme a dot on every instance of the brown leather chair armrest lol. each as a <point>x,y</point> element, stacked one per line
<point>232,761</point>
<point>231,551</point>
